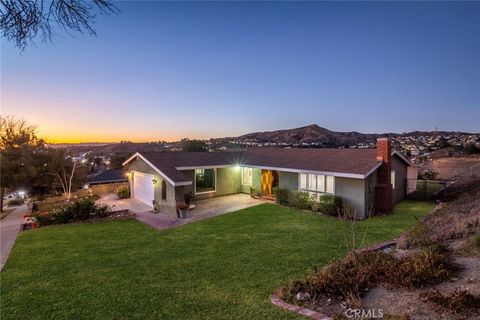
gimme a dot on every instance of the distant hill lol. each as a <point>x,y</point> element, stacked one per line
<point>314,133</point>
<point>309,134</point>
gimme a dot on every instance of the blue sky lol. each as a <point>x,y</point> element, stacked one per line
<point>167,70</point>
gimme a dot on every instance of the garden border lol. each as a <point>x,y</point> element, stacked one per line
<point>312,314</point>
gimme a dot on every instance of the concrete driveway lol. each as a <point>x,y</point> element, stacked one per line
<point>124,204</point>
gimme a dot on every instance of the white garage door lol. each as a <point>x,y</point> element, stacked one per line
<point>143,187</point>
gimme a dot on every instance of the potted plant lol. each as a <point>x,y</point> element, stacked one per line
<point>182,209</point>
<point>253,192</point>
<point>188,197</point>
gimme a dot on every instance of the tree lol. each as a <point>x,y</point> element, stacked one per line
<point>117,160</point>
<point>193,145</point>
<point>19,146</point>
<point>67,172</point>
<point>22,20</point>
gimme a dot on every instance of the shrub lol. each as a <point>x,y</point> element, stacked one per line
<point>252,192</point>
<point>314,203</point>
<point>457,301</point>
<point>299,199</point>
<point>476,241</point>
<point>281,195</point>
<point>123,192</point>
<point>15,202</point>
<point>346,278</point>
<point>349,278</point>
<point>79,210</point>
<point>331,205</point>
<point>420,269</point>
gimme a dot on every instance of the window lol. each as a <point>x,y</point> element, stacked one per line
<point>164,190</point>
<point>329,184</point>
<point>247,176</point>
<point>303,181</point>
<point>205,180</point>
<point>312,182</point>
<point>316,183</point>
<point>320,183</point>
<point>392,177</point>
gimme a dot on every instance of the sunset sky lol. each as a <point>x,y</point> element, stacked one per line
<point>168,70</point>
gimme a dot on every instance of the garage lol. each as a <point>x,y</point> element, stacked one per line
<point>143,187</point>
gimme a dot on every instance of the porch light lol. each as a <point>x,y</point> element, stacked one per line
<point>127,174</point>
<point>154,181</point>
<point>237,167</point>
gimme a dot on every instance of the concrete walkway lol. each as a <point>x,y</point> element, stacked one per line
<point>204,209</point>
<point>9,228</point>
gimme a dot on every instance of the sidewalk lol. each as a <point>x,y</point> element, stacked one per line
<point>9,227</point>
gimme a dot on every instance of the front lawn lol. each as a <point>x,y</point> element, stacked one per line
<point>221,268</point>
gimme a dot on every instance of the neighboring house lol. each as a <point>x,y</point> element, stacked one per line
<point>107,181</point>
<point>369,180</point>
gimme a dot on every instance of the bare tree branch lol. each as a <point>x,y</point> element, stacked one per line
<point>22,20</point>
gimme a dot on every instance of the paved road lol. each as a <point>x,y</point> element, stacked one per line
<point>9,228</point>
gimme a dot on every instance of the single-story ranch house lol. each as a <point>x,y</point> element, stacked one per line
<point>369,180</point>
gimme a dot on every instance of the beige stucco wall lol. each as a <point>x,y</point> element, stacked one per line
<point>166,206</point>
<point>352,192</point>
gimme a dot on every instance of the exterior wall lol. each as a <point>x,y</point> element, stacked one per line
<point>105,188</point>
<point>370,183</point>
<point>352,192</point>
<point>256,181</point>
<point>168,206</point>
<point>228,182</point>
<point>288,180</point>
<point>400,169</point>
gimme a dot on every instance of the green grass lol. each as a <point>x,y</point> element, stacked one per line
<point>221,268</point>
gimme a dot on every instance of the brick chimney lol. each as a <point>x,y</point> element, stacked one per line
<point>383,189</point>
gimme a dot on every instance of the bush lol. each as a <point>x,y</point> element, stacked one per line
<point>123,192</point>
<point>281,195</point>
<point>423,268</point>
<point>331,205</point>
<point>15,202</point>
<point>351,277</point>
<point>458,301</point>
<point>299,199</point>
<point>476,241</point>
<point>80,210</point>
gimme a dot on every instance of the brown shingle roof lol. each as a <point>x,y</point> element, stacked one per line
<point>340,161</point>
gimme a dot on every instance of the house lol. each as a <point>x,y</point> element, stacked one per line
<point>107,181</point>
<point>369,180</point>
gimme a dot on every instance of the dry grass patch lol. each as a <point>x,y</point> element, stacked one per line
<point>459,301</point>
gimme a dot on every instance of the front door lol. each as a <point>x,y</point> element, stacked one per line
<point>269,181</point>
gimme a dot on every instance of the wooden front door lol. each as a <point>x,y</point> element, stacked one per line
<point>269,181</point>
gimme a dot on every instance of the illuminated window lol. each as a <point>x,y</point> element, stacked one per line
<point>303,181</point>
<point>329,184</point>
<point>312,182</point>
<point>247,176</point>
<point>316,183</point>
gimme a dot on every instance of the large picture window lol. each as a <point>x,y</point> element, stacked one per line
<point>247,176</point>
<point>316,183</point>
<point>205,180</point>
